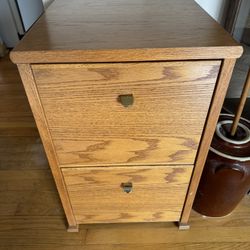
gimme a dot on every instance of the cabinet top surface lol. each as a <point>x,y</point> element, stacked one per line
<point>124,30</point>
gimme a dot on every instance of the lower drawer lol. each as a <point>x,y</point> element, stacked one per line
<point>127,194</point>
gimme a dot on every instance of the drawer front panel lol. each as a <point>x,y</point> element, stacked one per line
<point>126,113</point>
<point>127,194</point>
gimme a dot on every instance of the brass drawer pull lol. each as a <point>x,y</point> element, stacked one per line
<point>127,187</point>
<point>126,100</point>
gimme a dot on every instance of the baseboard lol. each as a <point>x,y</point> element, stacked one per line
<point>3,50</point>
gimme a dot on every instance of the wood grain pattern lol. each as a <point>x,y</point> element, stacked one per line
<point>90,127</point>
<point>75,105</point>
<point>119,30</point>
<point>16,117</point>
<point>214,112</point>
<point>37,232</point>
<point>29,85</point>
<point>27,149</point>
<point>164,246</point>
<point>97,196</point>
<point>28,193</point>
<point>165,235</point>
<point>22,160</point>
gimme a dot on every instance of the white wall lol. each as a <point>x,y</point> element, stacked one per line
<point>215,8</point>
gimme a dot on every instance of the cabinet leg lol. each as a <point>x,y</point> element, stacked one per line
<point>183,226</point>
<point>73,229</point>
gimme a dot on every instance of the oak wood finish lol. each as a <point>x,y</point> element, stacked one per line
<point>97,195</point>
<point>128,55</point>
<point>115,31</point>
<point>34,100</point>
<point>217,102</point>
<point>116,47</point>
<point>90,127</point>
<point>16,117</point>
<point>31,215</point>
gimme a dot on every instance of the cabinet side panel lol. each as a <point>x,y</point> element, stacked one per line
<point>34,100</point>
<point>213,115</point>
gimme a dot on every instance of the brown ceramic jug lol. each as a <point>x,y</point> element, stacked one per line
<point>226,175</point>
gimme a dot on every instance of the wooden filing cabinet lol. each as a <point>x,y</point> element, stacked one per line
<point>126,95</point>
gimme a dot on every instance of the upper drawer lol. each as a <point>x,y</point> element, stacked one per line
<point>85,107</point>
